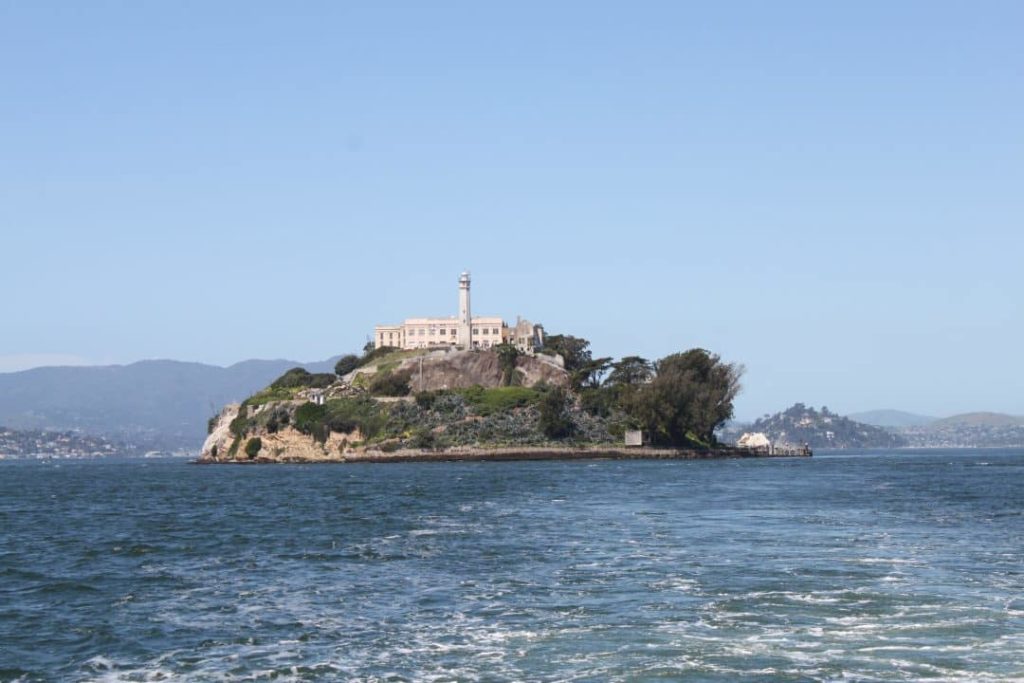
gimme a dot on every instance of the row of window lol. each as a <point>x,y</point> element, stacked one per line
<point>422,331</point>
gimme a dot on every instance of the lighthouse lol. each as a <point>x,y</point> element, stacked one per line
<point>465,316</point>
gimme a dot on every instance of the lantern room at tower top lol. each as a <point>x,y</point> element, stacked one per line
<point>464,331</point>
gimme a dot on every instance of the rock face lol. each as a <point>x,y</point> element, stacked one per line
<point>299,423</point>
<point>220,438</point>
<point>286,442</point>
<point>463,369</point>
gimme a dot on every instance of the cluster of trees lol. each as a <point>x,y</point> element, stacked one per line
<point>678,400</point>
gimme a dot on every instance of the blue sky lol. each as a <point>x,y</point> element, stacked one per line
<point>829,193</point>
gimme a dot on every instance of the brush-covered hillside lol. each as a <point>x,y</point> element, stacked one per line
<point>434,400</point>
<point>800,424</point>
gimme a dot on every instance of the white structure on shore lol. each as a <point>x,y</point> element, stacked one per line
<point>465,331</point>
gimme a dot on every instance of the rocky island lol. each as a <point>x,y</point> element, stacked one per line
<point>446,404</point>
<point>471,387</point>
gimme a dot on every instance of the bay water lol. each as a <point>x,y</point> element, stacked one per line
<point>881,566</point>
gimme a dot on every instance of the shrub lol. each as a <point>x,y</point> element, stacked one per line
<point>308,416</point>
<point>486,402</point>
<point>507,355</point>
<point>345,414</point>
<point>253,446</point>
<point>301,378</point>
<point>391,383</point>
<point>346,364</point>
<point>277,419</point>
<point>554,416</point>
<point>424,438</point>
<point>597,401</point>
<point>372,355</point>
<point>240,424</point>
<point>426,399</point>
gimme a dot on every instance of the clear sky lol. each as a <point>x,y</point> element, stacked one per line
<point>829,193</point>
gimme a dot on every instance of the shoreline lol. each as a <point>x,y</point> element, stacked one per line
<point>517,454</point>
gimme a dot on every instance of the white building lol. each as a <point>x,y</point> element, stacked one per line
<point>462,331</point>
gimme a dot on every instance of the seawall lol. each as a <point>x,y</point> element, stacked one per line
<point>524,454</point>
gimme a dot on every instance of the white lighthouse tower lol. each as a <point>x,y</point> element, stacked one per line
<point>465,316</point>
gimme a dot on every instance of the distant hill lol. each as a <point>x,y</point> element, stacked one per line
<point>153,404</point>
<point>982,420</point>
<point>969,430</point>
<point>891,418</point>
<point>801,424</point>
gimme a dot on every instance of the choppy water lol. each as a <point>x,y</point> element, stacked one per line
<point>872,567</point>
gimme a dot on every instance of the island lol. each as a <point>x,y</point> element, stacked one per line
<point>471,387</point>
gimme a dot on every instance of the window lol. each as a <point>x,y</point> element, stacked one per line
<point>495,330</point>
<point>476,331</point>
<point>453,331</point>
<point>422,332</point>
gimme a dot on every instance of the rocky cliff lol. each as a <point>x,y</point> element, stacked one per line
<point>426,400</point>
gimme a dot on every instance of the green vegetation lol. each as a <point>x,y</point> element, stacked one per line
<point>270,395</point>
<point>253,446</point>
<point>341,415</point>
<point>391,383</point>
<point>679,400</point>
<point>584,370</point>
<point>555,421</point>
<point>507,355</point>
<point>690,396</point>
<point>372,355</point>
<point>300,378</point>
<point>346,364</point>
<point>486,402</point>
<point>240,424</point>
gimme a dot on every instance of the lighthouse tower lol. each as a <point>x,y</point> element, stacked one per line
<point>465,316</point>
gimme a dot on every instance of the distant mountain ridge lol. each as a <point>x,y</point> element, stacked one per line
<point>153,404</point>
<point>982,420</point>
<point>891,418</point>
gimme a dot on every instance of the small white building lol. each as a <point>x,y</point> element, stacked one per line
<point>634,437</point>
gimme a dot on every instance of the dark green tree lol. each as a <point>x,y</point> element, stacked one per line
<point>584,370</point>
<point>690,396</point>
<point>630,371</point>
<point>346,364</point>
<point>554,414</point>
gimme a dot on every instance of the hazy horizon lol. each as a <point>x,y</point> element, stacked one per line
<point>829,195</point>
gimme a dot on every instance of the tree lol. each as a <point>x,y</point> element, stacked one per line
<point>554,415</point>
<point>583,369</point>
<point>690,396</point>
<point>630,371</point>
<point>346,364</point>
